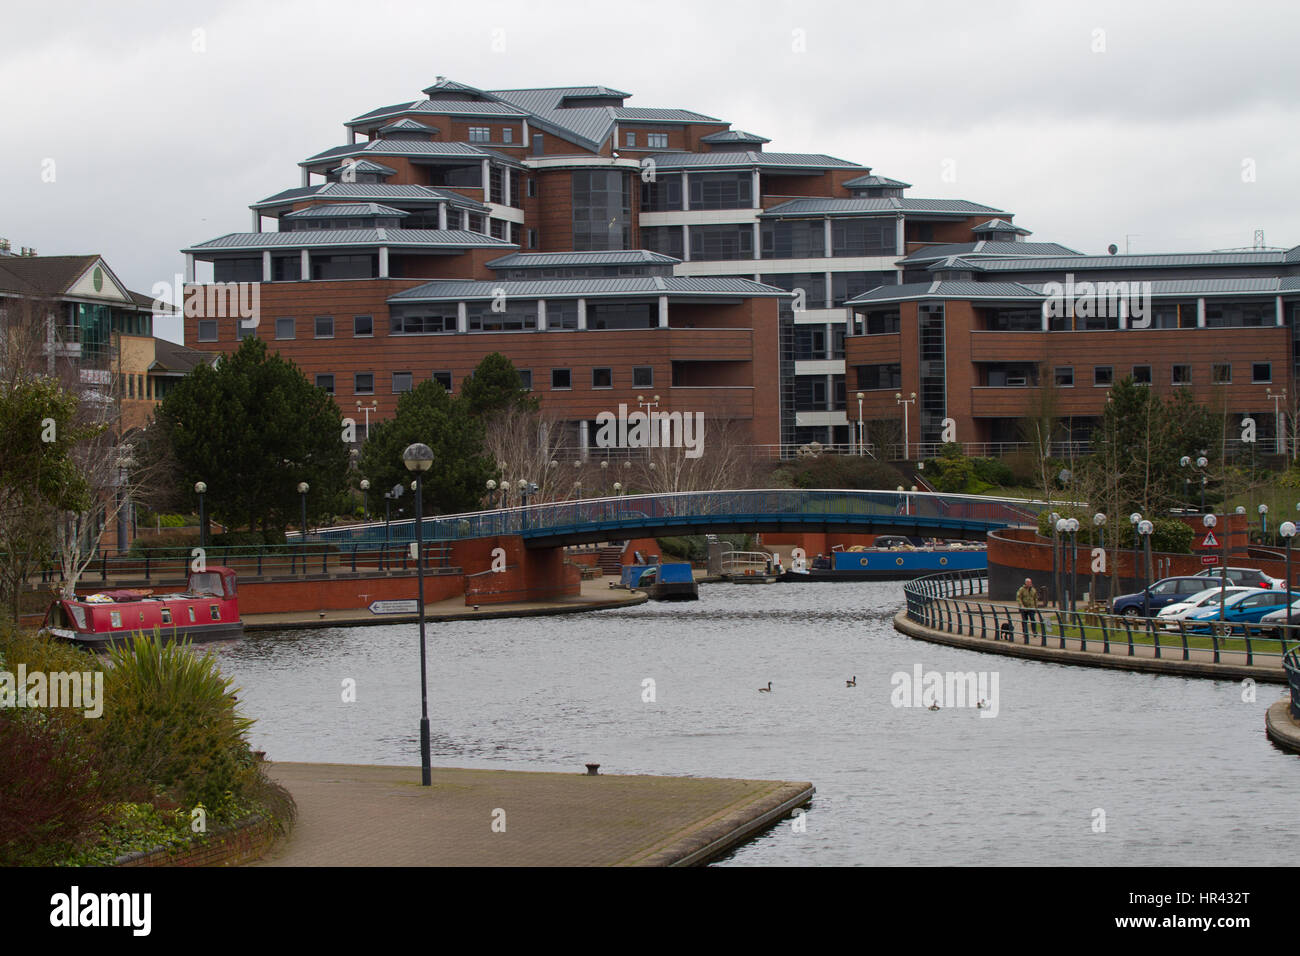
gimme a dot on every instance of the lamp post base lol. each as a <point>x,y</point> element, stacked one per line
<point>426,773</point>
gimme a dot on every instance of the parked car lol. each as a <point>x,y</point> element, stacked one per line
<point>1158,595</point>
<point>1278,618</point>
<point>1197,602</point>
<point>1248,577</point>
<point>1240,611</point>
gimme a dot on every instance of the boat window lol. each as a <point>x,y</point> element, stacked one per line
<point>115,618</point>
<point>166,615</point>
<point>206,582</point>
<point>191,610</point>
<point>78,615</point>
<point>215,610</point>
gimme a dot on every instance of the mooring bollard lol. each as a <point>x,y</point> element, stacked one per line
<point>592,768</point>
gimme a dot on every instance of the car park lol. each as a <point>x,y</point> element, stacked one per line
<point>1240,611</point>
<point>1196,602</point>
<point>1161,594</point>
<point>1247,577</point>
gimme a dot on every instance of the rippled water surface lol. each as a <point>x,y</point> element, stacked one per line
<point>1181,768</point>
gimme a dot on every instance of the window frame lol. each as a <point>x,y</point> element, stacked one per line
<point>610,376</point>
<point>328,375</point>
<point>643,368</point>
<point>293,328</point>
<point>410,382</point>
<point>562,388</point>
<point>1056,376</point>
<point>316,325</point>
<point>216,331</point>
<point>356,383</point>
<point>1216,369</point>
<point>1254,379</point>
<point>1173,373</point>
<point>363,335</point>
<point>1110,382</point>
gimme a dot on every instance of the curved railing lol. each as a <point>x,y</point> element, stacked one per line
<point>949,602</point>
<point>938,513</point>
<point>1291,664</point>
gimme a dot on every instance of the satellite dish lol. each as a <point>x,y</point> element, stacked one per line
<point>1112,248</point>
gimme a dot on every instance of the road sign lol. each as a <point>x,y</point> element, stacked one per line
<point>1210,541</point>
<point>1209,559</point>
<point>393,607</point>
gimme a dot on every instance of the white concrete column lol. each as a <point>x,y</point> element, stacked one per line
<point>758,241</point>
<point>829,294</point>
<point>257,220</point>
<point>527,143</point>
<point>306,265</point>
<point>306,177</point>
<point>487,180</point>
<point>462,318</point>
<point>663,312</point>
<point>442,215</point>
<point>506,175</point>
<point>189,268</point>
<point>758,185</point>
<point>900,239</point>
<point>582,439</point>
<point>826,237</point>
<point>464,219</point>
<point>541,315</point>
<point>383,262</point>
<point>582,313</point>
<point>686,243</point>
<point>266,265</point>
<point>1200,313</point>
<point>1123,314</point>
<point>1281,313</point>
<point>352,135</point>
<point>686,192</point>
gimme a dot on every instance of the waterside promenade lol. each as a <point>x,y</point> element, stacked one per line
<point>358,815</point>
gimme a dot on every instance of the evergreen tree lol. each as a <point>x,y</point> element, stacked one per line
<point>495,386</point>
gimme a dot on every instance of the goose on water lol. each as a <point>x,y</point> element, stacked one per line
<point>767,689</point>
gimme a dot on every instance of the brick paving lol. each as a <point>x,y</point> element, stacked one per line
<point>351,815</point>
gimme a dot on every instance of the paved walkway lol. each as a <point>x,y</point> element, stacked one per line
<point>595,595</point>
<point>1200,662</point>
<point>351,815</point>
<point>1282,728</point>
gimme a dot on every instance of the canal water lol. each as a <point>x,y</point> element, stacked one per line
<point>1079,765</point>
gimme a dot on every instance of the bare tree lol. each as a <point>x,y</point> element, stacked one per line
<point>525,443</point>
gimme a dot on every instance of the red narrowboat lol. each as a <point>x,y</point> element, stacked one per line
<point>207,610</point>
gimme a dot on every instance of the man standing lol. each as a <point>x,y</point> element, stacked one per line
<point>1027,598</point>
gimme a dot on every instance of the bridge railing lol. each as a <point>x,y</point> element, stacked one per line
<point>1291,664</point>
<point>632,511</point>
<point>950,602</point>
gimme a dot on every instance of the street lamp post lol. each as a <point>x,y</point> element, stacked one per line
<point>1279,426</point>
<point>604,476</point>
<point>1287,530</point>
<point>1072,526</point>
<point>1133,519</point>
<point>900,400</point>
<point>372,407</point>
<point>1210,521</point>
<point>201,488</point>
<point>303,488</point>
<point>1099,521</point>
<point>1055,520</point>
<point>389,498</point>
<point>861,450</point>
<point>365,500</point>
<point>1145,528</point>
<point>418,458</point>
<point>1263,523</point>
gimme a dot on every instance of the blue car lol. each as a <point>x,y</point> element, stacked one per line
<point>1240,611</point>
<point>1162,593</point>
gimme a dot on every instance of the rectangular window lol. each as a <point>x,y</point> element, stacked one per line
<point>630,140</point>
<point>1182,375</point>
<point>324,326</point>
<point>1261,373</point>
<point>532,187</point>
<point>440,320</point>
<point>507,135</point>
<point>879,376</point>
<point>443,379</point>
<point>325,382</point>
<point>561,314</point>
<point>721,190</point>
<point>561,378</point>
<point>401,382</point>
<point>214,611</point>
<point>532,238</point>
<point>1142,374</point>
<point>285,328</point>
<point>539,144</point>
<point>656,140</point>
<point>1103,375</point>
<point>526,379</point>
<point>363,325</point>
<point>1221,373</point>
<point>363,383</point>
<point>244,331</point>
<point>1064,376</point>
<point>722,242</point>
<point>602,378</point>
<point>480,134</point>
<point>207,330</point>
<point>643,376</point>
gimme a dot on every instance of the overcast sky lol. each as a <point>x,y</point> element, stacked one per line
<point>1163,127</point>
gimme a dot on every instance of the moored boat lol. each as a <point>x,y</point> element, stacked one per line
<point>893,559</point>
<point>207,610</point>
<point>670,582</point>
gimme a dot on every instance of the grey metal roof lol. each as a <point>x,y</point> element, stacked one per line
<point>734,136</point>
<point>364,166</point>
<point>408,125</point>
<point>1179,288</point>
<point>345,210</point>
<point>444,85</point>
<point>377,192</point>
<point>1001,225</point>
<point>748,158</point>
<point>550,260</point>
<point>984,248</point>
<point>863,182</point>
<point>457,107</point>
<point>878,206</point>
<point>1292,254</point>
<point>652,115</point>
<point>1174,260</point>
<point>945,290</point>
<point>456,289</point>
<point>403,147</point>
<point>427,238</point>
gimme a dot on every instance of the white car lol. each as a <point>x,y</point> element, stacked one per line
<point>1279,617</point>
<point>1196,602</point>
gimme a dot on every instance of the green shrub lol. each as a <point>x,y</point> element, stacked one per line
<point>844,471</point>
<point>994,471</point>
<point>695,547</point>
<point>1168,535</point>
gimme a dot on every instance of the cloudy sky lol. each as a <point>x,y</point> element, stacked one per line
<point>1160,127</point>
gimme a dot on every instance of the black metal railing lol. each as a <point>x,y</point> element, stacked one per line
<point>944,602</point>
<point>1291,664</point>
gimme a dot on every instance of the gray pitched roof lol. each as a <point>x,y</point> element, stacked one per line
<point>168,357</point>
<point>1000,225</point>
<point>425,238</point>
<point>345,210</point>
<point>863,182</point>
<point>364,166</point>
<point>451,107</point>
<point>373,192</point>
<point>878,206</point>
<point>550,260</point>
<point>407,125</point>
<point>984,248</point>
<point>1174,288</point>
<point>734,136</point>
<point>455,289</point>
<point>751,158</point>
<point>1172,260</point>
<point>402,147</point>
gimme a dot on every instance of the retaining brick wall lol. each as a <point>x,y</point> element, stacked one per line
<point>229,846</point>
